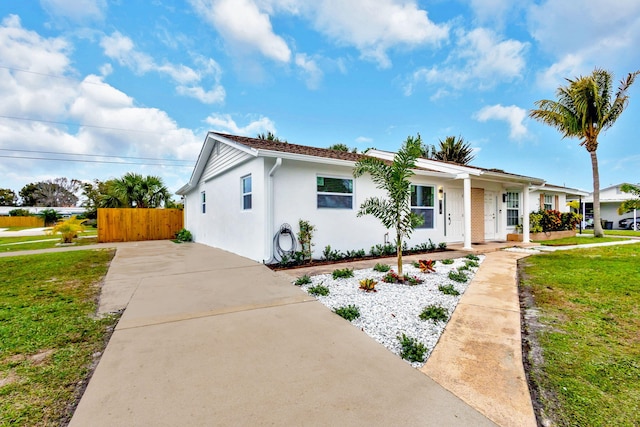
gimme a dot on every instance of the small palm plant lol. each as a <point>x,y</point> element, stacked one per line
<point>69,229</point>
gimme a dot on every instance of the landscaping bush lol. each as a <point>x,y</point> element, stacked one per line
<point>319,290</point>
<point>458,276</point>
<point>349,312</point>
<point>184,235</point>
<point>368,285</point>
<point>382,268</point>
<point>303,280</point>
<point>19,212</point>
<point>412,349</point>
<point>343,273</point>
<point>448,290</point>
<point>435,313</point>
<point>69,229</point>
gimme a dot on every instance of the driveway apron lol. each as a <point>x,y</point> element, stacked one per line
<point>211,338</point>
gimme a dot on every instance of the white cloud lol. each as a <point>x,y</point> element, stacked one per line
<point>371,26</point>
<point>511,114</point>
<point>363,140</point>
<point>108,122</point>
<point>492,11</point>
<point>480,58</point>
<point>375,26</point>
<point>244,27</point>
<point>225,123</point>
<point>605,35</point>
<point>310,70</point>
<point>75,10</point>
<point>122,49</point>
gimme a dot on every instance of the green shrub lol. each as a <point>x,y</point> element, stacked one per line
<point>442,246</point>
<point>319,290</point>
<point>69,229</point>
<point>50,216</point>
<point>344,273</point>
<point>435,313</point>
<point>412,349</point>
<point>458,276</point>
<point>448,290</point>
<point>382,268</point>
<point>447,261</point>
<point>19,212</point>
<point>360,253</point>
<point>472,257</point>
<point>184,235</point>
<point>303,280</point>
<point>471,264</point>
<point>329,254</point>
<point>349,312</point>
<point>304,238</point>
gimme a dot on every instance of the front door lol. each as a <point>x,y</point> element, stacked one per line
<point>490,221</point>
<point>454,215</point>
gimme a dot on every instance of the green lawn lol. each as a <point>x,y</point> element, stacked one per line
<point>21,243</point>
<point>589,309</point>
<point>615,232</point>
<point>48,334</point>
<point>579,240</point>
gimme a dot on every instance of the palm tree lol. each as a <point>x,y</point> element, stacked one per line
<point>585,108</point>
<point>394,211</point>
<point>135,190</point>
<point>452,149</point>
<point>631,204</point>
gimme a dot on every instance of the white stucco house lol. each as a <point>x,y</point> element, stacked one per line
<point>243,189</point>
<point>610,200</point>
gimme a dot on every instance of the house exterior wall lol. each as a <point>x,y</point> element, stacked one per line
<point>536,200</point>
<point>295,198</point>
<point>225,224</point>
<point>477,214</point>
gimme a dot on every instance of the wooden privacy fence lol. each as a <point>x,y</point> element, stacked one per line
<point>21,221</point>
<point>126,225</point>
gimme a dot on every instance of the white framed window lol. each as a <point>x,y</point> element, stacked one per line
<point>334,193</point>
<point>513,208</point>
<point>203,200</point>
<point>548,202</point>
<point>246,193</point>
<point>422,203</point>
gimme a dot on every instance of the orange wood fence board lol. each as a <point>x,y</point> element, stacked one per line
<point>127,225</point>
<point>21,221</point>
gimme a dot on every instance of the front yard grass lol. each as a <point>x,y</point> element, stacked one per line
<point>578,240</point>
<point>48,333</point>
<point>26,243</point>
<point>588,303</point>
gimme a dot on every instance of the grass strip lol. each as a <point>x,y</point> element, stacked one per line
<point>588,303</point>
<point>579,240</point>
<point>48,333</point>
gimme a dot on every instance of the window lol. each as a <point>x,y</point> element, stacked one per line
<point>513,209</point>
<point>422,203</point>
<point>246,192</point>
<point>204,201</point>
<point>548,202</point>
<point>334,193</point>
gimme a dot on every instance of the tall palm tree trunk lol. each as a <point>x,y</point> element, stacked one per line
<point>399,252</point>
<point>597,225</point>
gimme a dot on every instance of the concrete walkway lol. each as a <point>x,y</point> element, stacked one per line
<point>210,338</point>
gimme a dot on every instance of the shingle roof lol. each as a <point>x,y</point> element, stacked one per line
<point>263,144</point>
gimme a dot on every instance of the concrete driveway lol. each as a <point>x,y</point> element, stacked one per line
<point>210,338</point>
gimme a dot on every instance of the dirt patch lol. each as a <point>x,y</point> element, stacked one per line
<point>532,356</point>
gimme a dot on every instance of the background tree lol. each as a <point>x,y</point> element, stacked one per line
<point>8,197</point>
<point>394,211</point>
<point>27,195</point>
<point>629,205</point>
<point>343,147</point>
<point>585,108</point>
<point>452,149</point>
<point>270,137</point>
<point>59,192</point>
<point>92,193</point>
<point>134,191</point>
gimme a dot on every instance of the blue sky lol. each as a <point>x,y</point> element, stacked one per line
<point>126,82</point>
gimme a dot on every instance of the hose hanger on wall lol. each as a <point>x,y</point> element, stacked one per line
<point>281,253</point>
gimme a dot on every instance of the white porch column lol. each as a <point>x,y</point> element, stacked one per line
<point>525,214</point>
<point>467,212</point>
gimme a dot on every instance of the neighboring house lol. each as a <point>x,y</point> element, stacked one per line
<point>243,189</point>
<point>610,200</point>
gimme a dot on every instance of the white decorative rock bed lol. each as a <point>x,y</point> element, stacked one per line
<point>394,309</point>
